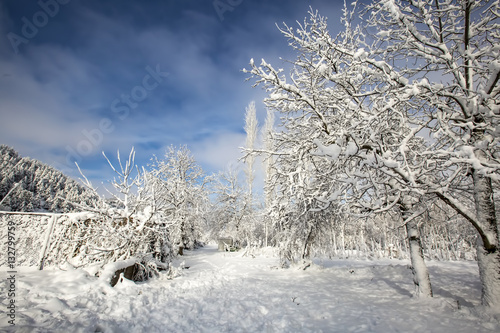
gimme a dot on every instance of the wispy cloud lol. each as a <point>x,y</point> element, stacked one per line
<point>56,92</point>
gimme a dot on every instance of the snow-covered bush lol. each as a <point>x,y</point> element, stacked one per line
<point>129,225</point>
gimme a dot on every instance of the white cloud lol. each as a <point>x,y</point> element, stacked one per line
<point>219,151</point>
<point>52,90</point>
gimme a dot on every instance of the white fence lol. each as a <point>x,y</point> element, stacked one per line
<point>41,239</point>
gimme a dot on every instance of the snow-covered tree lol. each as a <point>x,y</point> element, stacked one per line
<point>232,218</point>
<point>127,226</point>
<point>268,159</point>
<point>182,195</point>
<point>268,148</point>
<point>452,68</point>
<point>39,186</point>
<point>251,126</point>
<point>370,103</point>
<point>336,110</point>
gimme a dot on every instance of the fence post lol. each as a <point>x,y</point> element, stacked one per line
<point>47,240</point>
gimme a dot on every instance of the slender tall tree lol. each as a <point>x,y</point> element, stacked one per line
<point>268,146</point>
<point>251,125</point>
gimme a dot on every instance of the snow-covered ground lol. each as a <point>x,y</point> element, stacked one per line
<point>228,292</point>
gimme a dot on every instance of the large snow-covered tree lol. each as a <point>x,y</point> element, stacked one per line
<point>449,53</point>
<point>368,103</point>
<point>330,109</point>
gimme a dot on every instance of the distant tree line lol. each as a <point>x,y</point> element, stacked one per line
<point>35,186</point>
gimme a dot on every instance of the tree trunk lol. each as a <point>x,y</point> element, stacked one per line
<point>266,232</point>
<point>489,273</point>
<point>420,273</point>
<point>343,242</point>
<point>488,254</point>
<point>421,277</point>
<point>334,243</point>
<point>306,253</point>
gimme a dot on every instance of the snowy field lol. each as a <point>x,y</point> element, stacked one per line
<point>228,292</point>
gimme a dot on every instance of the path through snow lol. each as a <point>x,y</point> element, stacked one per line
<point>228,292</point>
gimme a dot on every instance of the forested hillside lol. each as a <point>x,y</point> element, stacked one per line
<point>35,186</point>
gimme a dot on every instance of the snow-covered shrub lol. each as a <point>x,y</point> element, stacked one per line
<point>152,216</point>
<point>130,225</point>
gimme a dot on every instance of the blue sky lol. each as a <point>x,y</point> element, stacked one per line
<point>81,77</point>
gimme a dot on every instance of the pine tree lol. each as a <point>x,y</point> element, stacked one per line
<point>48,188</point>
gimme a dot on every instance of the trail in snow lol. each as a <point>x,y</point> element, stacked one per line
<point>226,292</point>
